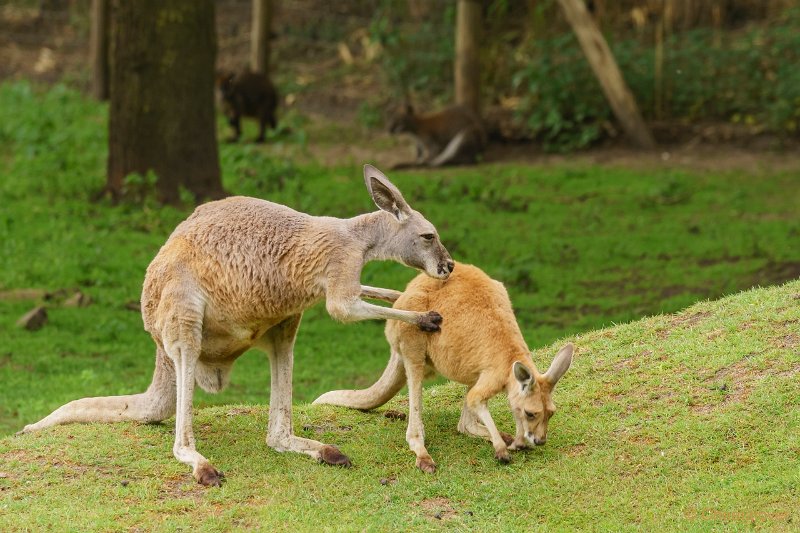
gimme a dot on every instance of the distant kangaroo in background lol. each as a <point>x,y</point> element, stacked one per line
<point>238,273</point>
<point>248,94</point>
<point>455,135</point>
<point>481,347</point>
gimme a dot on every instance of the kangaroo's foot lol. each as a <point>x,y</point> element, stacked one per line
<point>324,453</point>
<point>331,455</point>
<point>426,464</point>
<point>207,475</point>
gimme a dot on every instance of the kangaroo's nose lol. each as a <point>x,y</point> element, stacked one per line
<point>451,265</point>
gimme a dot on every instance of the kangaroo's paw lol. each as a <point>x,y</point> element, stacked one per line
<point>332,456</point>
<point>517,444</point>
<point>426,464</point>
<point>502,456</point>
<point>430,322</point>
<point>209,476</point>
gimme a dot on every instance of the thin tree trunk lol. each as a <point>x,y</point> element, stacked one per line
<point>162,97</point>
<point>259,37</point>
<point>98,48</point>
<point>608,74</point>
<point>467,69</point>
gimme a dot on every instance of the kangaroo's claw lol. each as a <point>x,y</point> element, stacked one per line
<point>430,321</point>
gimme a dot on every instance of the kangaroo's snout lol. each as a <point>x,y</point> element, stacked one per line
<point>533,439</point>
<point>446,268</point>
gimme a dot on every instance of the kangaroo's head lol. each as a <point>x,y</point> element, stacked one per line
<point>530,395</point>
<point>401,119</point>
<point>409,238</point>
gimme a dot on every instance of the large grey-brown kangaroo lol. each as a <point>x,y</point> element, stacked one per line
<point>238,273</point>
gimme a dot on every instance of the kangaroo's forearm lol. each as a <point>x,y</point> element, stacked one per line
<point>354,310</point>
<point>376,293</point>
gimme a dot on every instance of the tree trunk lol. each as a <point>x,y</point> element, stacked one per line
<point>162,97</point>
<point>259,38</point>
<point>98,49</point>
<point>467,68</point>
<point>605,68</point>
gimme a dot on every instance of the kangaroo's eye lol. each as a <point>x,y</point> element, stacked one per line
<point>427,236</point>
<point>530,415</point>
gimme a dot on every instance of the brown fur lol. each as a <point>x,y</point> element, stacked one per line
<point>481,346</point>
<point>455,135</point>
<point>238,273</point>
<point>247,94</point>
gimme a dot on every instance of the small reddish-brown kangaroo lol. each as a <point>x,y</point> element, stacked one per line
<point>238,273</point>
<point>480,346</point>
<point>452,136</point>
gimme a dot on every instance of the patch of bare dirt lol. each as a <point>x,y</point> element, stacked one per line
<point>682,320</point>
<point>576,450</point>
<point>181,487</point>
<point>739,380</point>
<point>438,508</point>
<point>685,320</point>
<point>790,340</point>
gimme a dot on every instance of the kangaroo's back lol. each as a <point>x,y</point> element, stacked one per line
<point>244,253</point>
<point>480,327</point>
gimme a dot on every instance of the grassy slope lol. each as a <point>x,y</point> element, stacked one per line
<point>578,247</point>
<point>682,422</point>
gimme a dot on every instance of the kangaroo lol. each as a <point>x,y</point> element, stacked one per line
<point>452,136</point>
<point>238,273</point>
<point>481,347</point>
<point>249,94</point>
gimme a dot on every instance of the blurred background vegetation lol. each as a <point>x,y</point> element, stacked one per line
<point>716,70</point>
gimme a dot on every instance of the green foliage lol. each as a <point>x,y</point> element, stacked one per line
<point>749,76</point>
<point>417,57</point>
<point>684,422</point>
<point>370,115</point>
<point>560,101</point>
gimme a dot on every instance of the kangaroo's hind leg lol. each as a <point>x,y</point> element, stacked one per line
<point>278,342</point>
<point>180,329</point>
<point>155,404</point>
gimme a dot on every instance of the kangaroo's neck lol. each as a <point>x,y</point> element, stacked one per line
<point>376,232</point>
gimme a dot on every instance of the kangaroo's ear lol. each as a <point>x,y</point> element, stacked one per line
<point>385,195</point>
<point>523,375</point>
<point>560,364</point>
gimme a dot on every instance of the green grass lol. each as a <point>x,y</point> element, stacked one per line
<point>579,247</point>
<point>685,422</point>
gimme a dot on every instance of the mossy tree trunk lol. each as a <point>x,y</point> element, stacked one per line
<point>162,97</point>
<point>98,49</point>
<point>605,68</point>
<point>467,64</point>
<point>260,36</point>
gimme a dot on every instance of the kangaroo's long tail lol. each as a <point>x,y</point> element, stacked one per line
<point>390,382</point>
<point>153,405</point>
